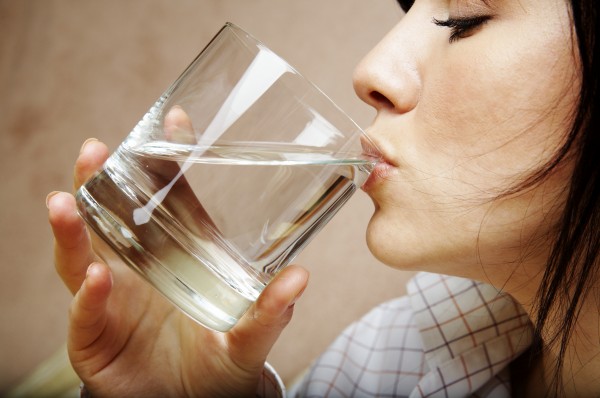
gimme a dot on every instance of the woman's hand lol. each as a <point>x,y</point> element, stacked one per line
<point>125,339</point>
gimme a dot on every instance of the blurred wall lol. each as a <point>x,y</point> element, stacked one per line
<point>72,69</point>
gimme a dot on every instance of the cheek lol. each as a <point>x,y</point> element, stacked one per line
<point>486,119</point>
<point>494,120</point>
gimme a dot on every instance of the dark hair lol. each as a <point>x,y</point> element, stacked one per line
<point>574,262</point>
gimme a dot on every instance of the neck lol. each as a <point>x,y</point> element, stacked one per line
<point>579,375</point>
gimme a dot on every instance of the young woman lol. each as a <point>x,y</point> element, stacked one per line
<point>487,123</point>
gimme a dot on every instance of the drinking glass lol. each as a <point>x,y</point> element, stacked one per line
<point>226,178</point>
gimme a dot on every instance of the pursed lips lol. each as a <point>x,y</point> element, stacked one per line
<point>384,166</point>
<point>373,149</point>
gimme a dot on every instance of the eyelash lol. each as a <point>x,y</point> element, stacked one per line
<point>461,27</point>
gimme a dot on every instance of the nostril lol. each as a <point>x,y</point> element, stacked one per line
<point>381,99</point>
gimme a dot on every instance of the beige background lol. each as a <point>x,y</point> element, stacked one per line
<point>76,69</point>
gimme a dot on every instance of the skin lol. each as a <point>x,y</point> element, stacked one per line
<point>459,122</point>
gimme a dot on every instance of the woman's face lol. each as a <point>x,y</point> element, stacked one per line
<point>471,99</point>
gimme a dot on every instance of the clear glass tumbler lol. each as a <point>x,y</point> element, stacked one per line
<point>231,172</point>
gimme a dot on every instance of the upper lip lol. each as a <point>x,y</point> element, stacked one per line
<point>374,149</point>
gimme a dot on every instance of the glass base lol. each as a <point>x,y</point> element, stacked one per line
<point>206,309</point>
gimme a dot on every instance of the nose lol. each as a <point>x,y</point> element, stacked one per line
<point>388,77</point>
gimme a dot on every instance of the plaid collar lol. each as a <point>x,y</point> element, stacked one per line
<point>469,331</point>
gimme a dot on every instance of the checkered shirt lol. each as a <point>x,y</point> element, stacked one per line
<point>449,337</point>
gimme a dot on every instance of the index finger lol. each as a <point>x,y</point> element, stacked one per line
<point>92,155</point>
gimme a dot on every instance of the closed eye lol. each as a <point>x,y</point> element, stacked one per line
<point>462,27</point>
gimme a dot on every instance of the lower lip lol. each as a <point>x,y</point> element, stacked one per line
<point>379,173</point>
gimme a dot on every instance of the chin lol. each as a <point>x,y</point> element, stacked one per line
<point>389,246</point>
<point>394,243</point>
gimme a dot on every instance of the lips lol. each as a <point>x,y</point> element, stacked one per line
<point>383,168</point>
<point>381,172</point>
<point>375,150</point>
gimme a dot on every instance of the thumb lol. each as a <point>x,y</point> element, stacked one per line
<point>251,339</point>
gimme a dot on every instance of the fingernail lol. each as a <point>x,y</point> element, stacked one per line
<point>50,195</point>
<point>87,142</point>
<point>92,268</point>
